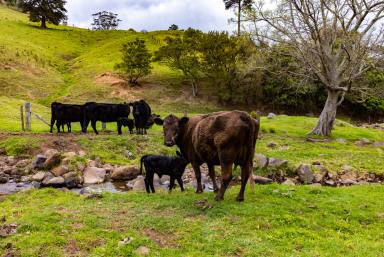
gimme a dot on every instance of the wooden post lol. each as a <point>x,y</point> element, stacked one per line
<point>103,126</point>
<point>28,116</point>
<point>22,117</point>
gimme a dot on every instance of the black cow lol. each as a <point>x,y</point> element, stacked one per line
<point>141,113</point>
<point>126,122</point>
<point>65,114</point>
<point>103,112</point>
<point>163,165</point>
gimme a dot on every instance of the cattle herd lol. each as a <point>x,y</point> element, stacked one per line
<point>91,112</point>
<point>225,139</point>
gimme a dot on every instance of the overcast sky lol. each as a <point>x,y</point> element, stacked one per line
<point>154,14</point>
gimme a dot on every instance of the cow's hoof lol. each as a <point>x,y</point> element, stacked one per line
<point>240,199</point>
<point>199,191</point>
<point>219,198</point>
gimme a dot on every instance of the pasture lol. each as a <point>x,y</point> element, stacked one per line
<point>274,220</point>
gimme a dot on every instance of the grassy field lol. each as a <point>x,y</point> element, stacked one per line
<point>273,221</point>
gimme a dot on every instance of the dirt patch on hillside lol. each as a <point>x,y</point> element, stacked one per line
<point>162,239</point>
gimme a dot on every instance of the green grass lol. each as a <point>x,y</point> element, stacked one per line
<point>273,221</point>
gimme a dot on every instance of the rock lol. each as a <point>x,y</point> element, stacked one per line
<point>125,241</point>
<point>38,176</point>
<point>341,140</point>
<point>53,181</point>
<point>260,161</point>
<point>69,155</point>
<point>25,179</point>
<point>125,173</point>
<point>80,166</point>
<point>316,163</point>
<point>11,160</point>
<point>108,168</point>
<point>4,178</point>
<point>66,161</point>
<point>53,160</point>
<point>73,182</point>
<point>139,184</point>
<point>164,180</point>
<point>262,180</point>
<point>8,230</point>
<point>22,163</point>
<point>289,182</point>
<point>59,171</point>
<point>330,182</point>
<point>95,163</point>
<point>271,115</point>
<point>71,174</point>
<point>305,173</point>
<point>94,175</point>
<point>129,155</point>
<point>272,144</point>
<point>38,163</point>
<point>316,185</point>
<point>378,144</point>
<point>362,142</point>
<point>277,163</point>
<point>50,152</point>
<point>82,153</point>
<point>142,250</point>
<point>347,182</point>
<point>348,173</point>
<point>3,151</point>
<point>320,173</point>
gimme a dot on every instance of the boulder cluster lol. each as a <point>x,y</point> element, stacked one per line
<point>278,170</point>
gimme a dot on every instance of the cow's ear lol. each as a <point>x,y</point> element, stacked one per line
<point>183,121</point>
<point>159,121</point>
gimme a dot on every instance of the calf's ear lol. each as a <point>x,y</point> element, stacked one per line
<point>159,121</point>
<point>183,121</point>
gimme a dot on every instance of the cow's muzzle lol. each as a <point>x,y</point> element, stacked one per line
<point>169,143</point>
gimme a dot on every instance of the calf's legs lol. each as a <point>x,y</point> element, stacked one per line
<point>212,175</point>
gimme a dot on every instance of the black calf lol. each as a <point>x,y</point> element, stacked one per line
<point>163,165</point>
<point>126,123</point>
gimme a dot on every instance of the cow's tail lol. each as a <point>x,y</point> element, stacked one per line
<point>252,146</point>
<point>141,165</point>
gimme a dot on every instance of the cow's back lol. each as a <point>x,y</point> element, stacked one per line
<point>230,133</point>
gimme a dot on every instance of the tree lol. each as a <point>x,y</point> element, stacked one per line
<point>173,27</point>
<point>335,41</point>
<point>105,21</point>
<point>136,60</point>
<point>240,5</point>
<point>44,11</point>
<point>182,53</point>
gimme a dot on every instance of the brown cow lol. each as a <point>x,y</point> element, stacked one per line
<point>222,138</point>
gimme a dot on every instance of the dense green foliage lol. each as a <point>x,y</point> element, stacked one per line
<point>44,10</point>
<point>136,60</point>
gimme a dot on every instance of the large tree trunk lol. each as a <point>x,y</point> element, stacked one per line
<point>43,23</point>
<point>328,115</point>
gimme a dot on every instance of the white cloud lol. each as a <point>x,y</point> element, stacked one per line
<point>154,14</point>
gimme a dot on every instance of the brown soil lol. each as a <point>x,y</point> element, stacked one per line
<point>162,239</point>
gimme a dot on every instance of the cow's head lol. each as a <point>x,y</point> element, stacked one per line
<point>151,120</point>
<point>172,126</point>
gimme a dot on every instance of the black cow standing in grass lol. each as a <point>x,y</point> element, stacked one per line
<point>163,165</point>
<point>103,112</point>
<point>142,113</point>
<point>62,114</point>
<point>125,122</point>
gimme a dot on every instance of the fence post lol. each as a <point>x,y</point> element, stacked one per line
<point>28,116</point>
<point>22,117</point>
<point>103,126</point>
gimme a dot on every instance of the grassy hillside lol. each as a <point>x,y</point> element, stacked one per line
<point>64,63</point>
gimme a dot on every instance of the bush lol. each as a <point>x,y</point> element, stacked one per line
<point>136,61</point>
